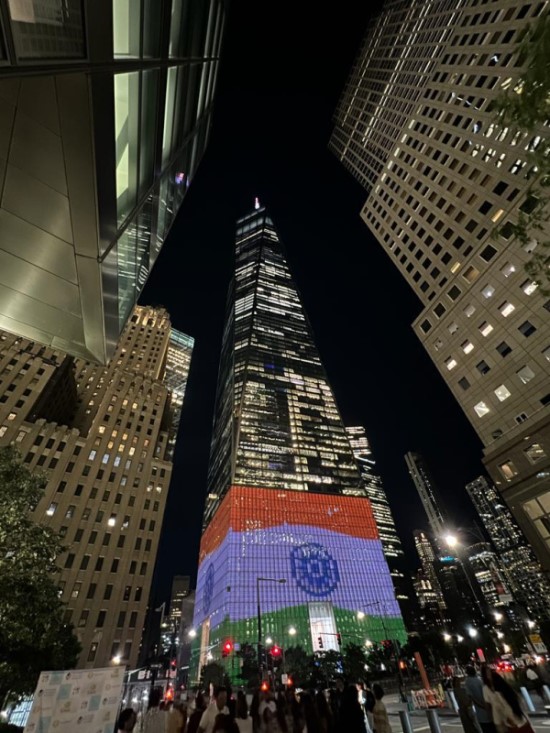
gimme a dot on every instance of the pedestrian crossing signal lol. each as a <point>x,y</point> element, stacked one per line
<point>320,642</point>
<point>227,648</point>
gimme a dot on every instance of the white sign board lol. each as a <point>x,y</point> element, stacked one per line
<point>76,701</point>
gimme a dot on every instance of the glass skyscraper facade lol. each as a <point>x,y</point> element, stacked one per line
<point>106,111</point>
<point>285,498</point>
<point>528,583</point>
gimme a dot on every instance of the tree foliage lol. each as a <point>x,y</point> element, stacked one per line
<point>33,635</point>
<point>354,660</point>
<point>524,110</point>
<point>299,664</point>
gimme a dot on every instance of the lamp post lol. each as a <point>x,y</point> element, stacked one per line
<point>258,581</point>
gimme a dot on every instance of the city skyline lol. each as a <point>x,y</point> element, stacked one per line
<point>359,307</point>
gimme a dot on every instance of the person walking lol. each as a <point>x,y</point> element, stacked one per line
<point>195,717</point>
<point>350,718</point>
<point>217,707</point>
<point>242,718</point>
<point>473,687</point>
<point>380,720</point>
<point>126,721</point>
<point>507,711</point>
<point>324,712</point>
<point>466,710</point>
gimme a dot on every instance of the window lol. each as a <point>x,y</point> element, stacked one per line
<point>121,619</point>
<point>454,292</point>
<point>470,274</point>
<point>525,374</point>
<point>84,562</point>
<point>529,287</point>
<point>464,383</point>
<point>535,453</point>
<point>483,367</point>
<point>453,328</point>
<point>70,512</point>
<point>439,310</point>
<point>546,353</point>
<point>508,269</point>
<point>522,417</point>
<point>69,560</point>
<point>76,590</point>
<point>508,470</point>
<point>481,409</point>
<point>527,328</point>
<point>83,617</point>
<point>425,326</point>
<point>101,619</point>
<point>467,346</point>
<point>469,310</point>
<point>485,328</point>
<point>503,349</point>
<point>108,592</point>
<point>488,253</point>
<point>502,392</point>
<point>93,649</point>
<point>127,593</point>
<point>91,590</point>
<point>50,511</point>
<point>133,620</point>
<point>506,308</point>
<point>488,291</point>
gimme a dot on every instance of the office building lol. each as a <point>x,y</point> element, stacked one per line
<point>101,437</point>
<point>426,579</point>
<point>385,523</point>
<point>522,571</point>
<point>486,569</point>
<point>444,185</point>
<point>288,525</point>
<point>106,110</point>
<point>428,493</point>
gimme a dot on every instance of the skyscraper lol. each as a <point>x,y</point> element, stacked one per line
<point>289,532</point>
<point>523,572</point>
<point>416,127</point>
<point>101,435</point>
<point>106,110</point>
<point>430,597</point>
<point>489,576</point>
<point>429,495</point>
<point>391,544</point>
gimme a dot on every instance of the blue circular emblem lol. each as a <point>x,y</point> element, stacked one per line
<point>208,591</point>
<point>314,569</point>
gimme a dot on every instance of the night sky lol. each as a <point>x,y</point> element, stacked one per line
<point>282,71</point>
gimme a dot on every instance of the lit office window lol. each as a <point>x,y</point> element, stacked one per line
<point>508,470</point>
<point>502,392</point>
<point>45,29</point>
<point>481,409</point>
<point>126,28</point>
<point>535,453</point>
<point>126,89</point>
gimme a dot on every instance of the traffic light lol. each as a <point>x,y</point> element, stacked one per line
<point>402,664</point>
<point>320,642</point>
<point>276,651</point>
<point>173,663</point>
<point>339,639</point>
<point>264,687</point>
<point>227,648</point>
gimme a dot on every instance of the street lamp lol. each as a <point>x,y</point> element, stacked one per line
<point>116,659</point>
<point>292,631</point>
<point>447,637</point>
<point>269,640</point>
<point>453,542</point>
<point>472,632</point>
<point>192,633</point>
<point>258,581</point>
<point>498,616</point>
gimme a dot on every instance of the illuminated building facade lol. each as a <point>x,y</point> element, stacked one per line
<point>427,585</point>
<point>383,516</point>
<point>488,574</point>
<point>444,186</point>
<point>523,573</point>
<point>285,499</point>
<point>101,435</point>
<point>106,115</point>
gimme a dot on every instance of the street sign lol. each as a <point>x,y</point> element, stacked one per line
<point>538,645</point>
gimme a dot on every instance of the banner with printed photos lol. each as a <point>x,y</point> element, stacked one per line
<point>76,701</point>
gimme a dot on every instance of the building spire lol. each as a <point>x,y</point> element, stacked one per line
<point>256,203</point>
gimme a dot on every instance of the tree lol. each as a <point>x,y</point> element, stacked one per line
<point>354,660</point>
<point>299,664</point>
<point>523,111</point>
<point>33,634</point>
<point>249,665</point>
<point>327,666</point>
<point>212,673</point>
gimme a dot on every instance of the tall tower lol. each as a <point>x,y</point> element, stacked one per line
<point>102,437</point>
<point>523,572</point>
<point>444,186</point>
<point>383,516</point>
<point>427,490</point>
<point>426,584</point>
<point>106,115</point>
<point>285,499</point>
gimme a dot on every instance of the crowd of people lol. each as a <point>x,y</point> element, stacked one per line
<point>486,704</point>
<point>351,708</point>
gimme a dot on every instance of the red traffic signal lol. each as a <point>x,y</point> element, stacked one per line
<point>227,648</point>
<point>264,687</point>
<point>339,639</point>
<point>276,651</point>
